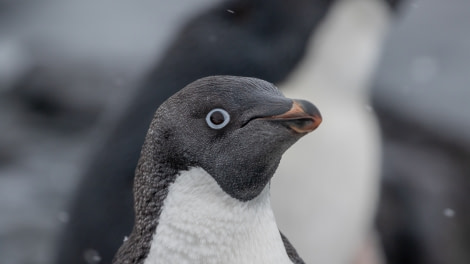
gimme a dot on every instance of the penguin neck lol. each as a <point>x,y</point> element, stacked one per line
<point>200,223</point>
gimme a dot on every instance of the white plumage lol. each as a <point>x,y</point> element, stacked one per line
<point>325,190</point>
<point>200,223</point>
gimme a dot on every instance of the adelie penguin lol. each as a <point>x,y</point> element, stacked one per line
<point>319,50</point>
<point>201,187</point>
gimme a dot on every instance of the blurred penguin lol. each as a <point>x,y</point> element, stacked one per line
<point>244,37</point>
<point>326,199</point>
<point>326,209</point>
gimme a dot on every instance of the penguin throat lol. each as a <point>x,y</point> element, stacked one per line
<point>200,223</point>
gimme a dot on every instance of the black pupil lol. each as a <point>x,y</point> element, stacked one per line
<point>217,118</point>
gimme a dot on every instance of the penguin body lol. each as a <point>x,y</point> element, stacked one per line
<point>335,73</point>
<point>231,228</point>
<point>202,194</point>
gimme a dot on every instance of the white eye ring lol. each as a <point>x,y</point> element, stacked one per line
<point>221,125</point>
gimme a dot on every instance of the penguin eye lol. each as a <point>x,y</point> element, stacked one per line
<point>217,118</point>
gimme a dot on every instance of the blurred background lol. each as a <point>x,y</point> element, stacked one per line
<point>420,95</point>
<point>70,71</point>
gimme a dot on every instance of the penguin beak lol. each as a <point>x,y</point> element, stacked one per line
<point>303,117</point>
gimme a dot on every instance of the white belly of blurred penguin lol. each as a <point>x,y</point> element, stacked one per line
<point>324,192</point>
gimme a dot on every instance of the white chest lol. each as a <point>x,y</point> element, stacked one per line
<point>200,223</point>
<point>325,189</point>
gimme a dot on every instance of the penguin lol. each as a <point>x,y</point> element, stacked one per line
<point>201,186</point>
<point>336,72</point>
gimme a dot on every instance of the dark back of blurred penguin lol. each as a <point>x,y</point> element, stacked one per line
<point>263,39</point>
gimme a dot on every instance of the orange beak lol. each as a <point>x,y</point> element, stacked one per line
<point>303,117</point>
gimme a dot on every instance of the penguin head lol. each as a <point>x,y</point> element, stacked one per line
<point>235,128</point>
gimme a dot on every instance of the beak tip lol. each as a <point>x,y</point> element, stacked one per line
<point>311,111</point>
